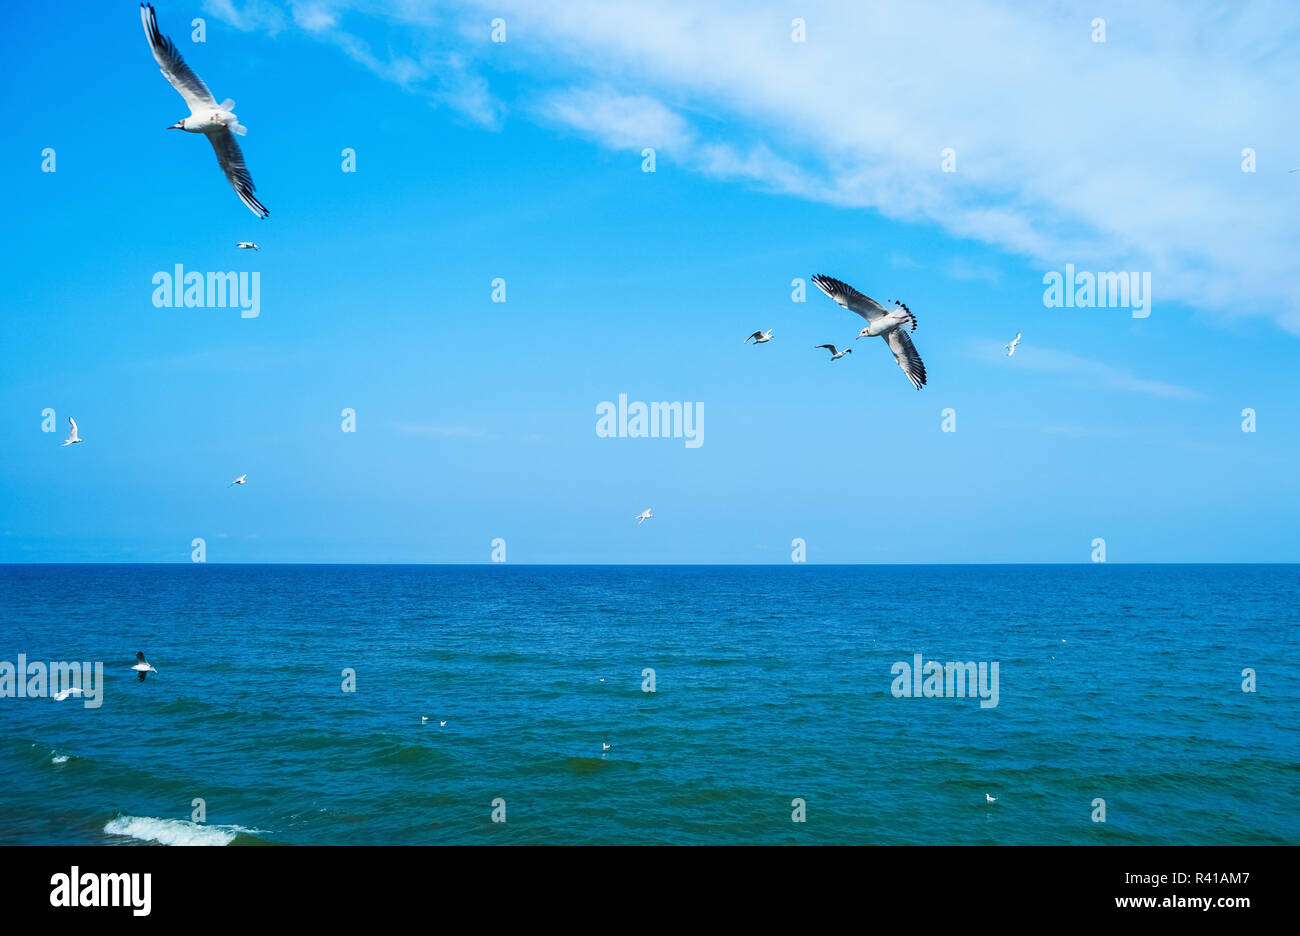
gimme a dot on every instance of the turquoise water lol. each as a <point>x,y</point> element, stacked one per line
<point>1115,681</point>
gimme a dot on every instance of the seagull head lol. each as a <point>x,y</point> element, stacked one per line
<point>864,333</point>
<point>179,125</point>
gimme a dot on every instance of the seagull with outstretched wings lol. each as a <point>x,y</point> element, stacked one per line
<point>217,121</point>
<point>835,354</point>
<point>891,324</point>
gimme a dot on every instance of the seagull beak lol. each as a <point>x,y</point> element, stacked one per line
<point>175,126</point>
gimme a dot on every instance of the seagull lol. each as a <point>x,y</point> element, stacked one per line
<point>602,679</point>
<point>1011,348</point>
<point>887,323</point>
<point>239,480</point>
<point>835,355</point>
<point>217,121</point>
<point>604,746</point>
<point>759,337</point>
<point>443,723</point>
<point>64,693</point>
<point>72,434</point>
<point>141,666</point>
<point>990,799</point>
<point>424,719</point>
<point>247,245</point>
<point>643,516</point>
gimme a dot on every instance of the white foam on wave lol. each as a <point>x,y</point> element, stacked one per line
<point>60,758</point>
<point>173,831</point>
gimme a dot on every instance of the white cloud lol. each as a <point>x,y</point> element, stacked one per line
<point>1117,156</point>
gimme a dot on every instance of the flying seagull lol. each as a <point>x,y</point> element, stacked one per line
<point>247,245</point>
<point>835,355</point>
<point>887,323</point>
<point>239,480</point>
<point>64,693</point>
<point>72,433</point>
<point>217,121</point>
<point>643,516</point>
<point>1011,348</point>
<point>759,337</point>
<point>142,666</point>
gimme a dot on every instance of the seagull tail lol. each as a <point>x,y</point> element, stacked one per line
<point>910,314</point>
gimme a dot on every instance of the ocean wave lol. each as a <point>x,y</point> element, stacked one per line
<point>174,831</point>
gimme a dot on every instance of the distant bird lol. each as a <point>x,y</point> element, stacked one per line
<point>73,438</point>
<point>887,323</point>
<point>142,666</point>
<point>64,693</point>
<point>217,121</point>
<point>442,724</point>
<point>990,799</point>
<point>835,355</point>
<point>759,337</point>
<point>1011,348</point>
<point>424,719</point>
<point>247,245</point>
<point>643,516</point>
<point>602,679</point>
<point>239,480</point>
<point>604,746</point>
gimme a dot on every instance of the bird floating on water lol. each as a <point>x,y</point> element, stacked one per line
<point>759,337</point>
<point>142,666</point>
<point>1011,348</point>
<point>643,516</point>
<point>990,799</point>
<point>73,438</point>
<point>889,324</point>
<point>604,746</point>
<point>216,121</point>
<point>247,245</point>
<point>835,355</point>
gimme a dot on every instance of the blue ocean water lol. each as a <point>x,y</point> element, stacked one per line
<point>1118,682</point>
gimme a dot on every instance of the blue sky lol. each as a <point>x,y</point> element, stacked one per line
<point>775,160</point>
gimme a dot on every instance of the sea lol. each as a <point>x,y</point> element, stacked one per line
<point>741,705</point>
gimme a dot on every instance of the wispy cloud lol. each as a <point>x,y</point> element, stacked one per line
<point>1050,361</point>
<point>445,432</point>
<point>1120,155</point>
